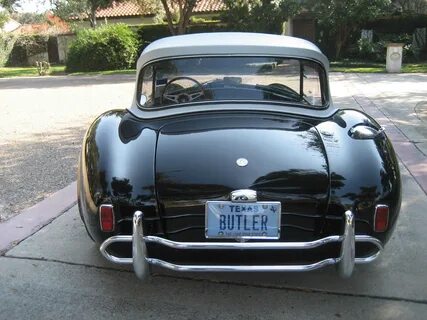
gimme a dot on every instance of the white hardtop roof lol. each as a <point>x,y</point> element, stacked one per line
<point>231,43</point>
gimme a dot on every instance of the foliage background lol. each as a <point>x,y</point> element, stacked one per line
<point>26,45</point>
<point>108,47</point>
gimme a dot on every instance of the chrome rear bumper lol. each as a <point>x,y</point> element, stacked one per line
<point>141,262</point>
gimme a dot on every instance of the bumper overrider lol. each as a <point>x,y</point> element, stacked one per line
<point>141,261</point>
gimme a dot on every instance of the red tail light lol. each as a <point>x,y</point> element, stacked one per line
<point>106,217</point>
<point>381,218</point>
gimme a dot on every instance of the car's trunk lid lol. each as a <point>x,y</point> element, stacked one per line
<point>196,161</point>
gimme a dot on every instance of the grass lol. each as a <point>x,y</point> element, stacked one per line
<point>128,71</point>
<point>415,67</point>
<point>27,71</point>
<point>7,72</point>
<point>336,66</point>
<point>374,67</point>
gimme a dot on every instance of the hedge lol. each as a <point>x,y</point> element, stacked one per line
<point>7,41</point>
<point>403,23</point>
<point>151,32</point>
<point>26,46</point>
<point>108,47</point>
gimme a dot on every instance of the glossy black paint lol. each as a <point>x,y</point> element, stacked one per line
<point>169,167</point>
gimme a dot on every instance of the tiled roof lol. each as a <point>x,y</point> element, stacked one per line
<point>129,9</point>
<point>54,25</point>
<point>119,9</point>
<point>209,6</point>
<point>10,26</point>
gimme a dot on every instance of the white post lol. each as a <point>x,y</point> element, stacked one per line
<point>394,57</point>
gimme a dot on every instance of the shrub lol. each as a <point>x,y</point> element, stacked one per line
<point>26,46</point>
<point>105,48</point>
<point>152,32</point>
<point>373,51</point>
<point>376,50</point>
<point>404,38</point>
<point>403,23</point>
<point>6,45</point>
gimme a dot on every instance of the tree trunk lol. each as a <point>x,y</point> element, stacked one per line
<point>181,21</point>
<point>92,16</point>
<point>169,17</point>
<point>185,11</point>
<point>341,40</point>
<point>338,47</point>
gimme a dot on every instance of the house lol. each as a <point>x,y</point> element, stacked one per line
<point>10,26</point>
<point>48,47</point>
<point>129,13</point>
<point>302,25</point>
<point>53,25</point>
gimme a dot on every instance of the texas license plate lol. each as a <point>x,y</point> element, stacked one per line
<point>257,220</point>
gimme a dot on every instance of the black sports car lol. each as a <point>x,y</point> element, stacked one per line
<point>233,157</point>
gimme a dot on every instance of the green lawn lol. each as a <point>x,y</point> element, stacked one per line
<point>128,71</point>
<point>7,72</point>
<point>27,71</point>
<point>372,67</point>
<point>336,66</point>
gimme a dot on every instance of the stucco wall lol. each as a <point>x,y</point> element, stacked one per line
<point>64,41</point>
<point>43,56</point>
<point>131,21</point>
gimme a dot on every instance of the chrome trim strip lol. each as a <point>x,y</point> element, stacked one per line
<point>345,265</point>
<point>243,195</point>
<point>241,245</point>
<point>245,268</point>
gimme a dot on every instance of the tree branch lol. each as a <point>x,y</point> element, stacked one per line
<point>169,16</point>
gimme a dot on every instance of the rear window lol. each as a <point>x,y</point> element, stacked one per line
<point>176,82</point>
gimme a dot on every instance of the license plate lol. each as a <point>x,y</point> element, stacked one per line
<point>257,220</point>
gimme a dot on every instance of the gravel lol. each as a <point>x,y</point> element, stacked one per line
<point>42,124</point>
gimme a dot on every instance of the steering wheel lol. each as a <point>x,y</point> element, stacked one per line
<point>179,95</point>
<point>284,87</point>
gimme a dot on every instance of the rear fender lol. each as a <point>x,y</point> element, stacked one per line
<point>363,173</point>
<point>115,168</point>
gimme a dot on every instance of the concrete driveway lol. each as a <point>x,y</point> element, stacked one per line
<point>58,272</point>
<point>42,123</point>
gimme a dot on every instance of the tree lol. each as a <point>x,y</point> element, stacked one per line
<point>260,15</point>
<point>8,4</point>
<point>68,9</point>
<point>343,17</point>
<point>411,6</point>
<point>4,17</point>
<point>177,12</point>
<point>29,17</point>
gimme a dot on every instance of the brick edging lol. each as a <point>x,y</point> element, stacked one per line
<point>413,159</point>
<point>31,220</point>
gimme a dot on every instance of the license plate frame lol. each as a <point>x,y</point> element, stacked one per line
<point>213,210</point>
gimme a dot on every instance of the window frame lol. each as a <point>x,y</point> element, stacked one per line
<point>323,78</point>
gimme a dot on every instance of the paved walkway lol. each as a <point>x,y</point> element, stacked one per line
<point>58,272</point>
<point>399,103</point>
